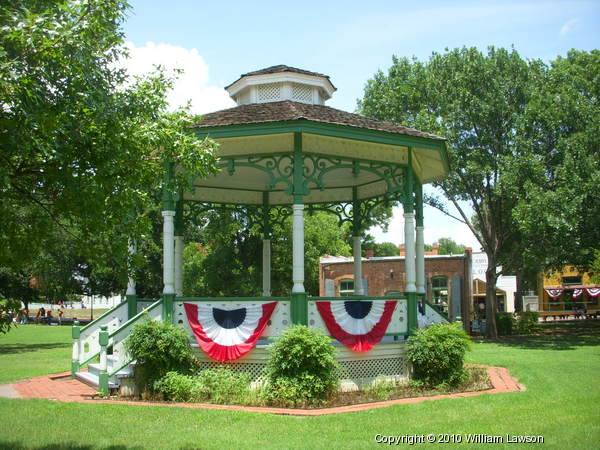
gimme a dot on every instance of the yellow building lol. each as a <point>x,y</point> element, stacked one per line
<point>567,292</point>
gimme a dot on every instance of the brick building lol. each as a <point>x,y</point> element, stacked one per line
<point>448,279</point>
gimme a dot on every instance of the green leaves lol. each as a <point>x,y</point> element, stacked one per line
<point>82,146</point>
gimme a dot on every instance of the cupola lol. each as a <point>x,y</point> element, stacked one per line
<point>281,83</point>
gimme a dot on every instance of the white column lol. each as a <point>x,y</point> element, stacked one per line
<point>266,267</point>
<point>409,251</point>
<point>131,248</point>
<point>356,248</point>
<point>179,266</point>
<point>168,252</point>
<point>420,252</point>
<point>298,248</point>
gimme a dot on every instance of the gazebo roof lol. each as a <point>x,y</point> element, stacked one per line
<point>280,68</point>
<point>281,123</point>
<point>288,110</point>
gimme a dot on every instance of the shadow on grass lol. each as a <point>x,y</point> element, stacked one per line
<point>23,348</point>
<point>558,336</point>
<point>18,445</point>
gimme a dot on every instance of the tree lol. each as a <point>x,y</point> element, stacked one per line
<point>558,211</point>
<point>380,248</point>
<point>82,146</point>
<point>477,101</point>
<point>447,246</point>
<point>224,257</point>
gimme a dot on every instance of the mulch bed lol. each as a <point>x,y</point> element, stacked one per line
<point>62,388</point>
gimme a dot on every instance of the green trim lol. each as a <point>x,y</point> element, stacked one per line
<point>103,336</point>
<point>110,311</point>
<point>83,363</point>
<point>111,374</point>
<point>413,324</point>
<point>136,318</point>
<point>179,220</point>
<point>74,368</point>
<point>432,306</point>
<point>299,308</point>
<point>103,384</point>
<point>167,312</point>
<point>131,305</point>
<point>76,330</point>
<point>298,170</point>
<point>357,297</point>
<point>233,299</point>
<point>321,128</point>
<point>408,201</point>
<point>356,213</point>
<point>419,204</point>
<point>168,200</point>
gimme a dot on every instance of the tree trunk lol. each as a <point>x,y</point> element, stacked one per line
<point>490,298</point>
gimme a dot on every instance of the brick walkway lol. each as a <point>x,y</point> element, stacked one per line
<point>62,388</point>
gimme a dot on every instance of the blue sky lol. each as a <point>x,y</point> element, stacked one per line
<point>215,42</point>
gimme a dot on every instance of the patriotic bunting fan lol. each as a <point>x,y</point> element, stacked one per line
<point>594,292</point>
<point>358,324</point>
<point>577,293</point>
<point>226,334</point>
<point>554,293</point>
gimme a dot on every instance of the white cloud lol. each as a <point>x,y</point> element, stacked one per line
<point>193,84</point>
<point>568,26</point>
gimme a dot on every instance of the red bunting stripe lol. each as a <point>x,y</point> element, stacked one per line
<point>554,293</point>
<point>223,353</point>
<point>594,292</point>
<point>357,342</point>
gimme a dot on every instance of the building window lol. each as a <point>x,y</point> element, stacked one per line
<point>439,290</point>
<point>346,287</point>
<point>569,281</point>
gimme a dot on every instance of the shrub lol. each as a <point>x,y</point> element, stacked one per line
<point>213,385</point>
<point>302,368</point>
<point>527,322</point>
<point>505,322</point>
<point>179,388</point>
<point>224,385</point>
<point>437,353</point>
<point>158,348</point>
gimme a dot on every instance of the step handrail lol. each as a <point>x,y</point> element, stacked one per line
<point>136,317</point>
<point>98,319</point>
<point>111,337</point>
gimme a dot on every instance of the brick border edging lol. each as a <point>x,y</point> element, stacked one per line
<point>75,391</point>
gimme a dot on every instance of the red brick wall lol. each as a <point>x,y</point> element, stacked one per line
<point>388,275</point>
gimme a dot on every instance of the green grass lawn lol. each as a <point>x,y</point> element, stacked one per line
<point>560,369</point>
<point>33,350</point>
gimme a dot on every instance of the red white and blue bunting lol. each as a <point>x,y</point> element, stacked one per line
<point>594,292</point>
<point>357,324</point>
<point>577,292</point>
<point>226,334</point>
<point>554,293</point>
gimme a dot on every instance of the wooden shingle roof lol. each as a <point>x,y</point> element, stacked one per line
<point>281,68</point>
<point>288,110</point>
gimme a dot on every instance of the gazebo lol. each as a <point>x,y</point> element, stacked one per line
<point>282,151</point>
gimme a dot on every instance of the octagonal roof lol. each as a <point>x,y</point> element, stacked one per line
<point>280,111</point>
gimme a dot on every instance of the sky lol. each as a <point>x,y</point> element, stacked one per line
<point>215,42</point>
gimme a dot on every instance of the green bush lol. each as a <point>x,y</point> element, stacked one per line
<point>437,353</point>
<point>302,369</point>
<point>212,385</point>
<point>224,386</point>
<point>159,348</point>
<point>179,388</point>
<point>505,322</point>
<point>527,322</point>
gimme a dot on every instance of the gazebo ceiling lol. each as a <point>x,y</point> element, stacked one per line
<point>345,155</point>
